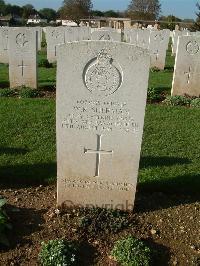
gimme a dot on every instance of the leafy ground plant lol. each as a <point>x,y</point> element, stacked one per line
<point>25,92</point>
<point>59,252</point>
<point>6,92</point>
<point>131,252</point>
<point>195,103</point>
<point>96,220</point>
<point>4,224</point>
<point>155,95</point>
<point>177,101</point>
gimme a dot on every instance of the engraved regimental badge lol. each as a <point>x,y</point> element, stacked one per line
<point>192,47</point>
<point>102,76</point>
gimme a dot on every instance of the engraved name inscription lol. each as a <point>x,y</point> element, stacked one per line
<point>100,116</point>
<point>98,185</point>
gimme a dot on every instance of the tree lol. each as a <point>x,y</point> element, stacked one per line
<point>76,10</point>
<point>2,7</point>
<point>144,9</point>
<point>111,14</point>
<point>97,13</point>
<point>48,13</point>
<point>197,24</point>
<point>28,10</point>
<point>169,22</point>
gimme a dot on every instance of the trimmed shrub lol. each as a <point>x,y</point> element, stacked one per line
<point>131,252</point>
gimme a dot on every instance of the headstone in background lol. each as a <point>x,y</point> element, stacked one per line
<point>106,35</point>
<point>176,34</point>
<point>4,45</point>
<point>187,67</point>
<point>101,99</point>
<point>39,30</point>
<point>143,38</point>
<point>127,35</point>
<point>134,36</point>
<point>159,41</point>
<point>73,34</point>
<point>22,57</point>
<point>54,37</point>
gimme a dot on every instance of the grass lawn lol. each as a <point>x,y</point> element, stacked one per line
<point>170,151</point>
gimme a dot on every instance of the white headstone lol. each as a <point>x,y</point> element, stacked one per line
<point>22,57</point>
<point>187,67</point>
<point>54,37</point>
<point>176,34</point>
<point>143,38</point>
<point>101,98</point>
<point>106,35</point>
<point>39,30</point>
<point>4,45</point>
<point>134,36</point>
<point>159,41</point>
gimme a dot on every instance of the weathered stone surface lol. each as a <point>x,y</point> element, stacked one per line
<point>4,45</point>
<point>54,36</point>
<point>159,41</point>
<point>101,98</point>
<point>22,57</point>
<point>187,67</point>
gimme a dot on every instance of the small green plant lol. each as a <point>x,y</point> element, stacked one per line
<point>59,252</point>
<point>6,92</point>
<point>25,92</point>
<point>4,224</point>
<point>45,63</point>
<point>177,100</point>
<point>96,220</point>
<point>195,103</point>
<point>154,95</point>
<point>155,69</point>
<point>131,252</point>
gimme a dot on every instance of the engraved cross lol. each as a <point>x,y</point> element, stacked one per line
<point>156,53</point>
<point>98,153</point>
<point>190,74</point>
<point>22,67</point>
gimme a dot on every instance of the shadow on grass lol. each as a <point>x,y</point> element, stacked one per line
<point>19,176</point>
<point>12,151</point>
<point>47,86</point>
<point>169,69</point>
<point>165,193</point>
<point>150,161</point>
<point>4,84</point>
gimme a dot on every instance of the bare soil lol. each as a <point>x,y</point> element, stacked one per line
<point>168,223</point>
